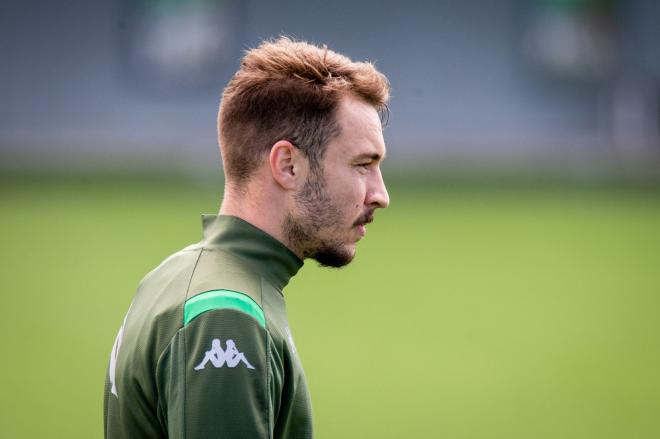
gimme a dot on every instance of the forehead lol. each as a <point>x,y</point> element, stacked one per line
<point>361,131</point>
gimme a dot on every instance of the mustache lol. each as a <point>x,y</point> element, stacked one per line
<point>366,218</point>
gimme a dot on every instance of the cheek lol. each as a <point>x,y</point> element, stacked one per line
<point>354,201</point>
<point>348,203</point>
<point>351,193</point>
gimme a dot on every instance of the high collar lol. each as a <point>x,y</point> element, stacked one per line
<point>265,254</point>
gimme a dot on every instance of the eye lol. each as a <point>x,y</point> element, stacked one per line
<point>363,167</point>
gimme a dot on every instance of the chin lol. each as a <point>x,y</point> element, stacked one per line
<point>335,257</point>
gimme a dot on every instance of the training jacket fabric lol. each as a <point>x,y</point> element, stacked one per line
<point>205,349</point>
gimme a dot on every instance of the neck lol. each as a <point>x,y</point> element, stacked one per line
<point>259,206</point>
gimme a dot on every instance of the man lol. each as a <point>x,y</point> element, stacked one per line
<point>205,349</point>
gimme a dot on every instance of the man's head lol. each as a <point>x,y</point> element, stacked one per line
<point>307,119</point>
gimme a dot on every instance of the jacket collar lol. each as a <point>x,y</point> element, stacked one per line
<point>262,252</point>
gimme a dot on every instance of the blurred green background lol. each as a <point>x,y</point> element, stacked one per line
<point>474,309</point>
<point>510,291</point>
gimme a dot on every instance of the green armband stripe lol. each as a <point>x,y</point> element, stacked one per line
<point>222,299</point>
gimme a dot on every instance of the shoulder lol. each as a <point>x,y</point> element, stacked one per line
<point>223,280</point>
<point>227,294</point>
<point>197,288</point>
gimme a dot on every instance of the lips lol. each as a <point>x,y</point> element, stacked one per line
<point>365,219</point>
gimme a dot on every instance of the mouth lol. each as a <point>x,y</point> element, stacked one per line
<point>362,222</point>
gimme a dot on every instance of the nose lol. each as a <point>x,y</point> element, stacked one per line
<point>377,195</point>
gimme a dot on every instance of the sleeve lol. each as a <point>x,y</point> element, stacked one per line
<point>216,378</point>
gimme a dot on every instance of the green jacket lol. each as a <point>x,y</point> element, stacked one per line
<point>205,349</point>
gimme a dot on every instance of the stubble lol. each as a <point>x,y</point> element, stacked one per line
<point>318,217</point>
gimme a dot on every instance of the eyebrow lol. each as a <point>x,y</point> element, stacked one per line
<point>373,156</point>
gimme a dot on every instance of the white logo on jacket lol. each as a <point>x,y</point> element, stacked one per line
<point>112,369</point>
<point>218,357</point>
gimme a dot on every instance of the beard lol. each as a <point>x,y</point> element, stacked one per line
<point>318,214</point>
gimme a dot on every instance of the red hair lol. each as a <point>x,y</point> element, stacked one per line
<point>289,90</point>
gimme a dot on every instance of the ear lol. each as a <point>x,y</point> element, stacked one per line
<point>287,165</point>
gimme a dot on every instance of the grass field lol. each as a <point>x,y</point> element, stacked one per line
<point>471,311</point>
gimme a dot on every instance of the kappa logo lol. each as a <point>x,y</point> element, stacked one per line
<point>218,357</point>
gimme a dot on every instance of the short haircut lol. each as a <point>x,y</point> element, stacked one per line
<point>289,90</point>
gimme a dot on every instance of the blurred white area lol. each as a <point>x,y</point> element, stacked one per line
<point>572,44</point>
<point>184,43</point>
